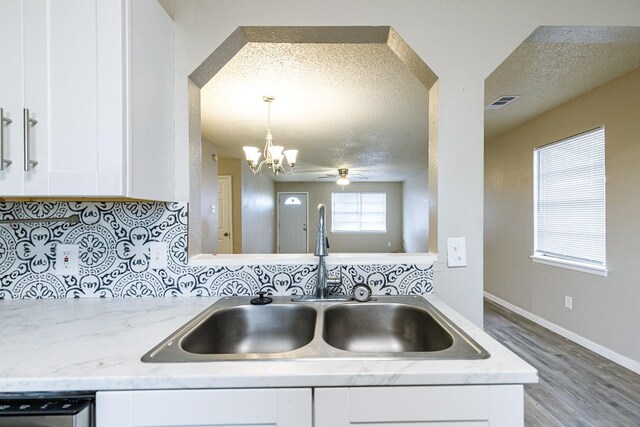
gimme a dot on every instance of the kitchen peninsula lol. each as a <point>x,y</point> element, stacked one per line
<point>96,345</point>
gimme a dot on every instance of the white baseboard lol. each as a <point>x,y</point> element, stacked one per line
<point>578,339</point>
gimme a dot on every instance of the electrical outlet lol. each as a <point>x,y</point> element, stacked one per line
<point>67,260</point>
<point>158,255</point>
<point>568,302</point>
<point>456,252</point>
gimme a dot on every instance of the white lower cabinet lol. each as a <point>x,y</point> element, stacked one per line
<point>204,408</point>
<point>432,406</point>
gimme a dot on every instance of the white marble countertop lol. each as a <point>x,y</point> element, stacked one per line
<point>96,344</point>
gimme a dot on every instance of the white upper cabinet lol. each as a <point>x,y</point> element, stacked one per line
<point>96,78</point>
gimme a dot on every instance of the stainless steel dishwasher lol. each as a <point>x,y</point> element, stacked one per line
<point>46,411</point>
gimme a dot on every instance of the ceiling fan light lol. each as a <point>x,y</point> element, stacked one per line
<point>343,181</point>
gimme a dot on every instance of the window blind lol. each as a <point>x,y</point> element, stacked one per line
<point>359,212</point>
<point>569,195</point>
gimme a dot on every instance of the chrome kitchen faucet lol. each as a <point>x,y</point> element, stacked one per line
<point>323,280</point>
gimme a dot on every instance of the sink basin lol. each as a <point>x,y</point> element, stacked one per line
<point>383,328</point>
<point>252,329</point>
<point>390,327</point>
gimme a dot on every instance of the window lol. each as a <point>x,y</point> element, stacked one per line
<point>292,201</point>
<point>569,199</point>
<point>359,212</point>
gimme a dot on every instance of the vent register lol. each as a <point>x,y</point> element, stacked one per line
<point>501,102</point>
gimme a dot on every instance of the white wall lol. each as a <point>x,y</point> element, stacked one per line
<point>605,309</point>
<point>461,41</point>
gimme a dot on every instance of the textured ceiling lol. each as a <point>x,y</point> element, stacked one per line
<point>342,105</point>
<point>555,65</point>
<point>360,106</point>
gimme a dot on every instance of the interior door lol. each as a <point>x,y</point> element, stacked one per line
<point>292,223</point>
<point>225,215</point>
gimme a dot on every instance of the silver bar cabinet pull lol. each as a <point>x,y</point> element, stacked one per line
<point>28,122</point>
<point>3,120</point>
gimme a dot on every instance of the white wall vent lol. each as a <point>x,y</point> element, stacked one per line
<point>501,102</point>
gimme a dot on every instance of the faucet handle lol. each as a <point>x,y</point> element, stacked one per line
<point>335,280</point>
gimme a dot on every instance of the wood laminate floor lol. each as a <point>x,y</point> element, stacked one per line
<point>577,386</point>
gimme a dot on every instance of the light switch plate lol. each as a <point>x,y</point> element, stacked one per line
<point>456,252</point>
<point>568,302</point>
<point>67,260</point>
<point>158,255</point>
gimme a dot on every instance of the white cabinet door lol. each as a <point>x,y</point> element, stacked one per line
<point>35,101</point>
<point>65,139</point>
<point>72,47</point>
<point>11,175</point>
<point>48,90</point>
<point>135,80</point>
<point>150,100</point>
<point>182,408</point>
<point>435,406</point>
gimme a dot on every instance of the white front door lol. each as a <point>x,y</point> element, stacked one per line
<point>292,223</point>
<point>225,215</point>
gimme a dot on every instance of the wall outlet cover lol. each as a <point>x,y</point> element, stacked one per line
<point>158,255</point>
<point>456,252</point>
<point>67,260</point>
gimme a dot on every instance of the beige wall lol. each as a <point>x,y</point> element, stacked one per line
<point>320,192</point>
<point>605,309</point>
<point>232,167</point>
<point>461,41</point>
<point>209,198</point>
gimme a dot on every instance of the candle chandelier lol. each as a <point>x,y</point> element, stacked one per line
<point>276,157</point>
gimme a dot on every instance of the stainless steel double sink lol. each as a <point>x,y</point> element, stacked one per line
<point>390,327</point>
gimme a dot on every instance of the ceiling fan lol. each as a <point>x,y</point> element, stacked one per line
<point>344,177</point>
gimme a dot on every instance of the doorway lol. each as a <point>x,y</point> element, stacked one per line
<point>225,215</point>
<point>292,223</point>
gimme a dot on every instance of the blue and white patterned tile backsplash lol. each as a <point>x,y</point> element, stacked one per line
<point>114,239</point>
